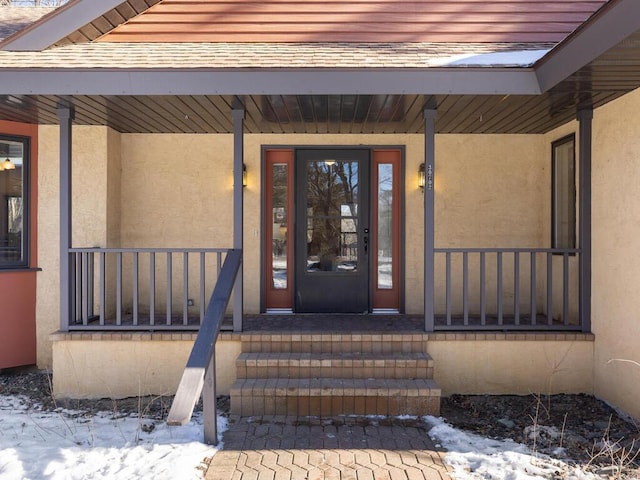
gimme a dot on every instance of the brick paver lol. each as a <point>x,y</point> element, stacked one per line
<point>338,448</point>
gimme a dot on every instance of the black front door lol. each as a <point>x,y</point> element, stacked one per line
<point>332,231</point>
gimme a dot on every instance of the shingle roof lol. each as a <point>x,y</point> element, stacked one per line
<point>274,55</point>
<point>14,19</point>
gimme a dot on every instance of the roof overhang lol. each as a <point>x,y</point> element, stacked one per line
<point>308,81</point>
<point>607,28</point>
<point>598,63</point>
<point>59,23</point>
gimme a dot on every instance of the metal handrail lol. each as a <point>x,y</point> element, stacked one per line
<point>199,374</point>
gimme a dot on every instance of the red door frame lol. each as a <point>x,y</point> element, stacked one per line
<point>380,298</point>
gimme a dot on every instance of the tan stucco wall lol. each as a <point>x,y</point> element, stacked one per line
<point>511,366</point>
<point>616,242</point>
<point>128,368</point>
<point>109,367</point>
<point>95,152</point>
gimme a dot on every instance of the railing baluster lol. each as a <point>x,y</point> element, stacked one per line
<point>532,287</point>
<point>119,288</point>
<point>90,300</point>
<point>85,288</point>
<point>73,288</point>
<point>185,288</point>
<point>565,288</point>
<point>202,285</point>
<point>483,289</point>
<point>448,286</point>
<point>77,318</point>
<point>516,288</point>
<point>136,278</point>
<point>103,292</point>
<point>499,286</point>
<point>152,288</point>
<point>169,287</point>
<point>465,287</point>
<point>549,288</point>
<point>218,265</point>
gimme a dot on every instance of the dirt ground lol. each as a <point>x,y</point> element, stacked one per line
<point>579,428</point>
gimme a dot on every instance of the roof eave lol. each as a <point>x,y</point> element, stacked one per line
<point>57,25</point>
<point>609,26</point>
<point>304,81</point>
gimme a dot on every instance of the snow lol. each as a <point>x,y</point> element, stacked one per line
<point>69,445</point>
<point>475,457</point>
<point>516,58</point>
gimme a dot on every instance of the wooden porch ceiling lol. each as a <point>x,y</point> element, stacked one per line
<point>314,113</point>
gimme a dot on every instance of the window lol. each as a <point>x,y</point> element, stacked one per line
<point>14,201</point>
<point>563,193</point>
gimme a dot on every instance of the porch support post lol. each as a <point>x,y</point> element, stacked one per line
<point>585,118</point>
<point>65,117</point>
<point>429,216</point>
<point>238,214</point>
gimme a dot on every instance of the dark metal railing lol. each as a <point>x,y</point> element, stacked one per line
<point>199,374</point>
<point>506,289</point>
<point>141,288</point>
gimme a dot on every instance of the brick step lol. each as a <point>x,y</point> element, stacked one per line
<point>343,365</point>
<point>334,396</point>
<point>335,343</point>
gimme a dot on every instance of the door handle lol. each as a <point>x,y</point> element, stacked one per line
<point>365,240</point>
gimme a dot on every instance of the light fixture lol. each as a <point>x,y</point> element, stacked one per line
<point>7,165</point>
<point>244,175</point>
<point>421,176</point>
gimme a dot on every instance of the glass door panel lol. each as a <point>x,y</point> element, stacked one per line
<point>332,234</point>
<point>332,216</point>
<point>279,244</point>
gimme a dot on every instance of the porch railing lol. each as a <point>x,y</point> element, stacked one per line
<point>141,288</point>
<point>199,375</point>
<point>506,289</point>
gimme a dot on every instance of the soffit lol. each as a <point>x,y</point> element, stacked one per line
<point>343,114</point>
<point>107,22</point>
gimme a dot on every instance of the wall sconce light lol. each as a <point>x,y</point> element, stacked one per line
<point>421,176</point>
<point>244,175</point>
<point>7,165</point>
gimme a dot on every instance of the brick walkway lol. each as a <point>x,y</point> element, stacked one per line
<point>339,448</point>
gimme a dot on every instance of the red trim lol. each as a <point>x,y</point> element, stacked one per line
<point>386,298</point>
<point>278,298</point>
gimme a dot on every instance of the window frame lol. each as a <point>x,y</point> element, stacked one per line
<point>555,244</point>
<point>25,261</point>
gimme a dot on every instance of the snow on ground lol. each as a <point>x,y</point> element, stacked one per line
<point>474,457</point>
<point>70,445</point>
